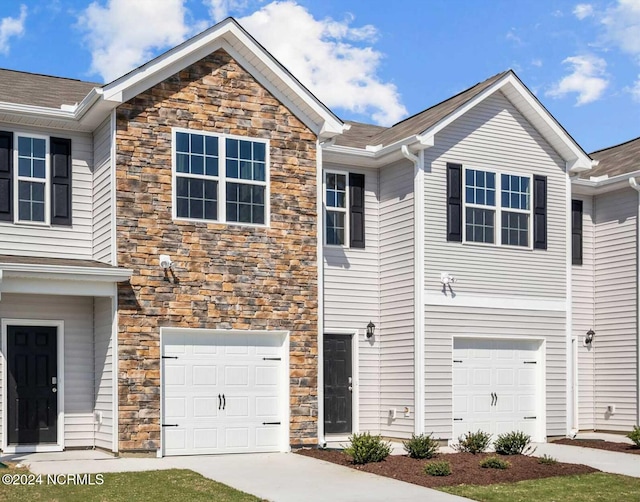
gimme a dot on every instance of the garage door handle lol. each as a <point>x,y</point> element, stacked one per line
<point>496,403</point>
<point>493,398</point>
<point>219,402</point>
<point>224,402</point>
<point>271,423</point>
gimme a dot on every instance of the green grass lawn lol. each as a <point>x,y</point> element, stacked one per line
<point>154,486</point>
<point>596,487</point>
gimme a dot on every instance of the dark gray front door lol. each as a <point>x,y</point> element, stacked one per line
<point>337,384</point>
<point>32,387</point>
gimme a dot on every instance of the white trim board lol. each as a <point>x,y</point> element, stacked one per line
<point>59,324</point>
<point>495,302</point>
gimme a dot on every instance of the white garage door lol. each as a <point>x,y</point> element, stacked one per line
<point>496,386</point>
<point>223,392</point>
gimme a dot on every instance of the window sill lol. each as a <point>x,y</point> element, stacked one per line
<point>496,246</point>
<point>221,223</point>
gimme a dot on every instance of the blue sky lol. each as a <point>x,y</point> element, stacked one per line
<point>368,60</point>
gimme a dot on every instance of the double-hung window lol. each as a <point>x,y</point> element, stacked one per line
<point>497,208</point>
<point>220,178</point>
<point>336,201</point>
<point>32,179</point>
<point>344,215</point>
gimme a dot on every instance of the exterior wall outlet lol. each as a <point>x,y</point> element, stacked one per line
<point>97,417</point>
<point>611,409</point>
<point>392,413</point>
<point>407,411</point>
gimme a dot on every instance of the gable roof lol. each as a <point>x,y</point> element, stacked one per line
<point>421,129</point>
<point>41,90</point>
<point>616,160</point>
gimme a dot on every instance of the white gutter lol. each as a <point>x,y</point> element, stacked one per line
<point>634,184</point>
<point>603,182</point>
<point>111,274</point>
<point>418,306</point>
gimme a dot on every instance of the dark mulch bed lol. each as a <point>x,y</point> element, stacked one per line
<point>464,468</point>
<point>601,445</point>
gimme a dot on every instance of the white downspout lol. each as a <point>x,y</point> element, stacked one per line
<point>634,184</point>
<point>320,260</point>
<point>418,263</point>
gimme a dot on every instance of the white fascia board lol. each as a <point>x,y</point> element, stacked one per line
<point>225,35</point>
<point>372,156</point>
<point>69,273</point>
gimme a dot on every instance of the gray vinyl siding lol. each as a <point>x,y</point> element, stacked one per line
<point>583,298</point>
<point>102,194</point>
<point>615,342</point>
<point>351,296</point>
<point>443,323</point>
<point>397,299</point>
<point>103,363</point>
<point>58,241</point>
<point>495,136</point>
<point>77,314</point>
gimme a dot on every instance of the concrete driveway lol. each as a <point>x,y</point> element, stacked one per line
<point>277,477</point>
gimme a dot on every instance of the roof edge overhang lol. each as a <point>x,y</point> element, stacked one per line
<point>235,40</point>
<point>576,159</point>
<point>603,185</point>
<point>64,272</point>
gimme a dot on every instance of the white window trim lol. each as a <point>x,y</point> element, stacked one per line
<point>46,182</point>
<point>498,209</point>
<point>345,210</point>
<point>221,178</point>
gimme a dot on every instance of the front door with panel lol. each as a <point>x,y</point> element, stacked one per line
<point>338,384</point>
<point>32,404</point>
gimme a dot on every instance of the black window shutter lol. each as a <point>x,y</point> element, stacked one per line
<point>6,176</point>
<point>454,202</point>
<point>60,181</point>
<point>356,210</point>
<point>539,212</point>
<point>576,232</point>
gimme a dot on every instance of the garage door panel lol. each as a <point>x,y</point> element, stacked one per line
<point>233,367</point>
<point>496,385</point>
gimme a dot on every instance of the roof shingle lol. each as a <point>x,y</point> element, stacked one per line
<point>616,160</point>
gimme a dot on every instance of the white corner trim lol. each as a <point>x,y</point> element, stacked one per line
<point>114,189</point>
<point>571,389</point>
<point>59,325</point>
<point>320,265</point>
<point>116,370</point>
<point>494,302</point>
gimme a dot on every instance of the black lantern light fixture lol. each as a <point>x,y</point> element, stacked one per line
<point>589,337</point>
<point>371,329</point>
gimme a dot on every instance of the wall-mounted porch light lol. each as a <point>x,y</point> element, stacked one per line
<point>589,337</point>
<point>371,329</point>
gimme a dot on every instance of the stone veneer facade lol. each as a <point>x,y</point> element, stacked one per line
<point>228,276</point>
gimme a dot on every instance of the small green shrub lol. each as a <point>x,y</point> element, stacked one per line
<point>547,460</point>
<point>513,443</point>
<point>440,468</point>
<point>473,442</point>
<point>422,446</point>
<point>634,435</point>
<point>365,448</point>
<point>494,462</point>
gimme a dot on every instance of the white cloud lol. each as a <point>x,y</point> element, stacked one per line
<point>332,58</point>
<point>11,27</point>
<point>588,79</point>
<point>634,90</point>
<point>511,36</point>
<point>537,63</point>
<point>583,10</point>
<point>622,26</point>
<point>122,34</point>
<point>220,9</point>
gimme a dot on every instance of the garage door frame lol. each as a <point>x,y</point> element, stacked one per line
<point>541,398</point>
<point>284,374</point>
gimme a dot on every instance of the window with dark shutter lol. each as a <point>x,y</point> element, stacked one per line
<point>539,212</point>
<point>454,202</point>
<point>60,181</point>
<point>6,176</point>
<point>356,210</point>
<point>576,232</point>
